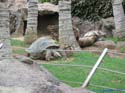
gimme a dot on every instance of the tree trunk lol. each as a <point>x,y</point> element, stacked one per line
<point>66,35</point>
<point>5,49</point>
<point>31,33</point>
<point>119,18</point>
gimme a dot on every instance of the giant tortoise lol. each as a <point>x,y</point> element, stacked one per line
<point>44,48</point>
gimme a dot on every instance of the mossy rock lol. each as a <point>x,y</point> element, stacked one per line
<point>121,46</point>
<point>122,49</point>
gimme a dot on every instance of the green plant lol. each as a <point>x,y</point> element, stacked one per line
<point>92,10</point>
<point>18,47</point>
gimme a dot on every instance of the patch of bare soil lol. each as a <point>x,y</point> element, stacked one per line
<point>17,47</point>
<point>114,53</point>
<point>19,38</point>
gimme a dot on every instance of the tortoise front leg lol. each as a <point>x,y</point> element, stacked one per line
<point>28,54</point>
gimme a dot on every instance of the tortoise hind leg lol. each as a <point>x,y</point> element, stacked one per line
<point>48,56</point>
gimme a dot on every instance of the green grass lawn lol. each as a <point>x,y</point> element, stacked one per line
<point>75,76</point>
<point>19,51</point>
<point>18,47</point>
<point>15,42</point>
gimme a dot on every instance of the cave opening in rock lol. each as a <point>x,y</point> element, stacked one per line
<point>3,0</point>
<point>44,21</point>
<point>24,26</point>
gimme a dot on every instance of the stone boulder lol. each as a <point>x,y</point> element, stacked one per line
<point>105,44</point>
<point>17,77</point>
<point>14,5</point>
<point>23,59</point>
<point>83,26</point>
<point>108,26</point>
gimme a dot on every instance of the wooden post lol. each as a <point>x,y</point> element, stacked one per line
<point>94,68</point>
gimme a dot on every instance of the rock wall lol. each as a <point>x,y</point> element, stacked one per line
<point>18,13</point>
<point>5,51</point>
